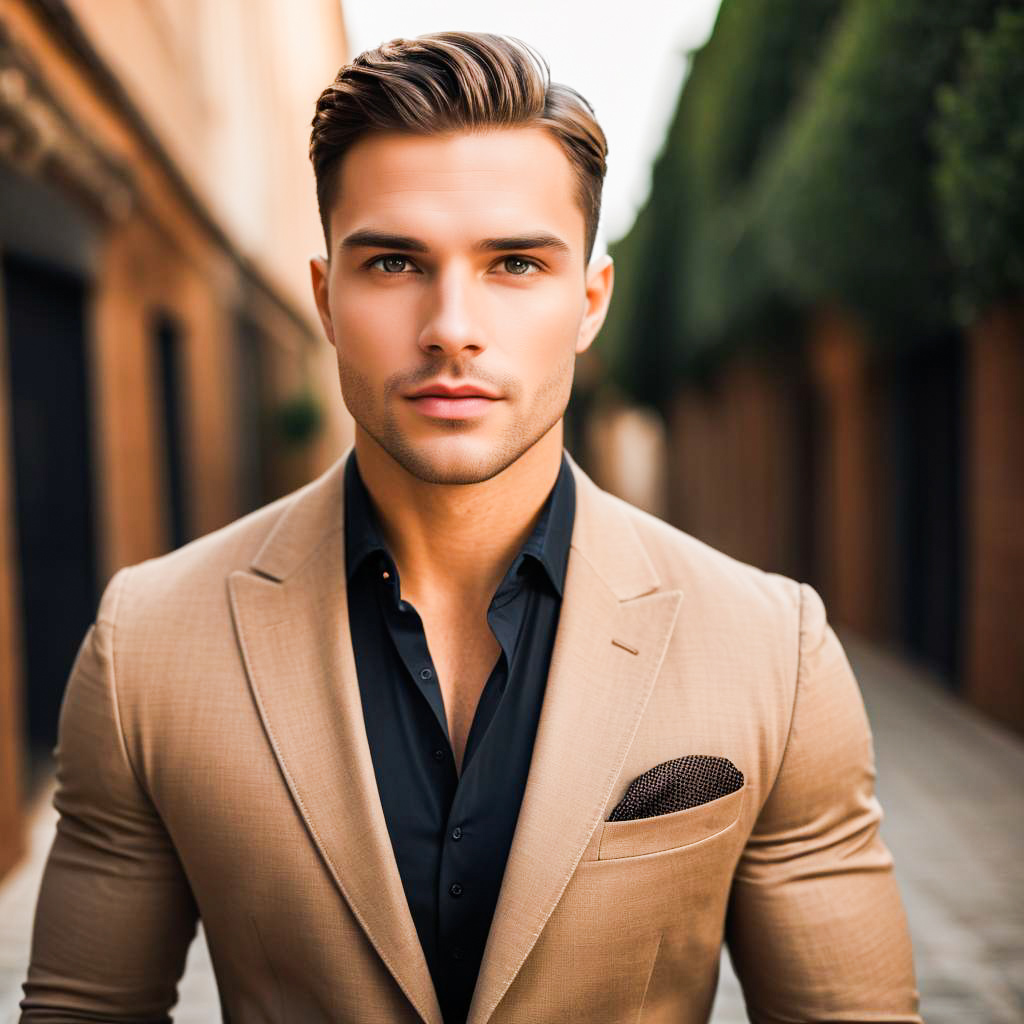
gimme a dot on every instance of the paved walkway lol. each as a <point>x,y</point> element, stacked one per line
<point>951,785</point>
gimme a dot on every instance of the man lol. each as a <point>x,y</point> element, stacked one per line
<point>449,733</point>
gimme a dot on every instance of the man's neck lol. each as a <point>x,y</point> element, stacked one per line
<point>453,543</point>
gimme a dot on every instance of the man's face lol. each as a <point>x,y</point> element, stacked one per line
<point>457,261</point>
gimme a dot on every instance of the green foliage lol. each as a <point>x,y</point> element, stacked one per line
<point>979,179</point>
<point>687,269</point>
<point>743,85</point>
<point>638,338</point>
<point>800,171</point>
<point>744,81</point>
<point>299,418</point>
<point>844,204</point>
<point>625,352</point>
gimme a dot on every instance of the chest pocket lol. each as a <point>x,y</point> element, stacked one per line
<point>614,840</point>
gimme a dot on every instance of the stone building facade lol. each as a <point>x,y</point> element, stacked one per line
<point>162,370</point>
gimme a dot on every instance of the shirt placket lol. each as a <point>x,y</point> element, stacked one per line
<point>410,640</point>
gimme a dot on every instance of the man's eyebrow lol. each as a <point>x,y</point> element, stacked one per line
<point>542,240</point>
<point>369,239</point>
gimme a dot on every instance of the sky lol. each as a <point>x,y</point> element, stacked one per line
<point>627,59</point>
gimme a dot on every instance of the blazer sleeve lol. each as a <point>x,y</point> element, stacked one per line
<point>816,928</point>
<point>115,914</point>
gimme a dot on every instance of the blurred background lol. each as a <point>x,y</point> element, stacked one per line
<point>814,359</point>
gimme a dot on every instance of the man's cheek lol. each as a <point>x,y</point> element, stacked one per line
<point>366,327</point>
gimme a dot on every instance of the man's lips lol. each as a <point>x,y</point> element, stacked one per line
<point>440,400</point>
<point>442,390</point>
<point>446,407</point>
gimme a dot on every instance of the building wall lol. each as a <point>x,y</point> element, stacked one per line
<point>736,464</point>
<point>11,824</point>
<point>888,476</point>
<point>156,153</point>
<point>230,88</point>
<point>995,640</point>
<point>851,569</point>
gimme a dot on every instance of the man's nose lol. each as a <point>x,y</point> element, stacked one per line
<point>452,324</point>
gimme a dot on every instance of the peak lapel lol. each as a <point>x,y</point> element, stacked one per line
<point>595,696</point>
<point>291,616</point>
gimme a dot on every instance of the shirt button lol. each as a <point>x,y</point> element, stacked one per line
<point>425,673</point>
<point>455,889</point>
<point>438,755</point>
<point>457,953</point>
<point>456,832</point>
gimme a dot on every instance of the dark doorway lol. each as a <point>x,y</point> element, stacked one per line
<point>53,502</point>
<point>167,337</point>
<point>253,427</point>
<point>927,476</point>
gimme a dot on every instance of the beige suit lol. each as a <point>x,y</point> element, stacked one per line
<point>213,760</point>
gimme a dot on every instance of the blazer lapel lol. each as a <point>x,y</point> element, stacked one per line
<point>291,615</point>
<point>612,635</point>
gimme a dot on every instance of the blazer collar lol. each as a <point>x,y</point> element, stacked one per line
<point>603,532</point>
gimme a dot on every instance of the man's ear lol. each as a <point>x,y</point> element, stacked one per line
<point>320,270</point>
<point>600,281</point>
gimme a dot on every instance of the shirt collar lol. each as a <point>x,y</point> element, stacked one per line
<point>548,543</point>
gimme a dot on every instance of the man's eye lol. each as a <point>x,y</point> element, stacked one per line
<point>520,266</point>
<point>391,264</point>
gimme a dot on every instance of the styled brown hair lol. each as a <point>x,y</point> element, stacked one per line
<point>455,81</point>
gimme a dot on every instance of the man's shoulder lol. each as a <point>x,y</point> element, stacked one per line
<point>684,562</point>
<point>202,565</point>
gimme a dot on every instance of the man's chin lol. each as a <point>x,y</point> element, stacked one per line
<point>453,460</point>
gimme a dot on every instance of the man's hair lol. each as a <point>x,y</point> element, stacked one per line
<point>449,82</point>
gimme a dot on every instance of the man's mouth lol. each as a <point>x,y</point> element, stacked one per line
<point>449,400</point>
<point>439,406</point>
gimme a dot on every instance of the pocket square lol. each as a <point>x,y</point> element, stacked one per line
<point>676,785</point>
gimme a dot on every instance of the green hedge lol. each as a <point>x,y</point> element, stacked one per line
<point>638,339</point>
<point>680,270</point>
<point>845,205</point>
<point>979,178</point>
<point>752,69</point>
<point>858,153</point>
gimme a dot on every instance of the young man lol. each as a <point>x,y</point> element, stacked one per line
<point>451,734</point>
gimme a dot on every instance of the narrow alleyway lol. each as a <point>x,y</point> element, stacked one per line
<point>952,786</point>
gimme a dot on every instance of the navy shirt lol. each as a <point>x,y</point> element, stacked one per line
<point>451,832</point>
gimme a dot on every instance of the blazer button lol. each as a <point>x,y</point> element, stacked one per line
<point>455,889</point>
<point>457,832</point>
<point>438,755</point>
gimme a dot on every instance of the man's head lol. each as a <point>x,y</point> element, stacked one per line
<point>459,192</point>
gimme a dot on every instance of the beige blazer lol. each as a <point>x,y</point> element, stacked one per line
<point>213,761</point>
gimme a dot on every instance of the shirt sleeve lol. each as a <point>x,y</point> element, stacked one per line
<point>816,928</point>
<point>115,914</point>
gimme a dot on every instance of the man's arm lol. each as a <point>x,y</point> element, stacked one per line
<point>816,929</point>
<point>115,915</point>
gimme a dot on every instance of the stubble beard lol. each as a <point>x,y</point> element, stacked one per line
<point>424,462</point>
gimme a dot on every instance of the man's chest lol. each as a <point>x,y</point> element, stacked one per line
<point>464,651</point>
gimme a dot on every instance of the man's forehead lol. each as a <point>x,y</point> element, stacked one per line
<point>486,151</point>
<point>499,174</point>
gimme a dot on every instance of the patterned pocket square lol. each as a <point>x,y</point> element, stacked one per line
<point>676,785</point>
